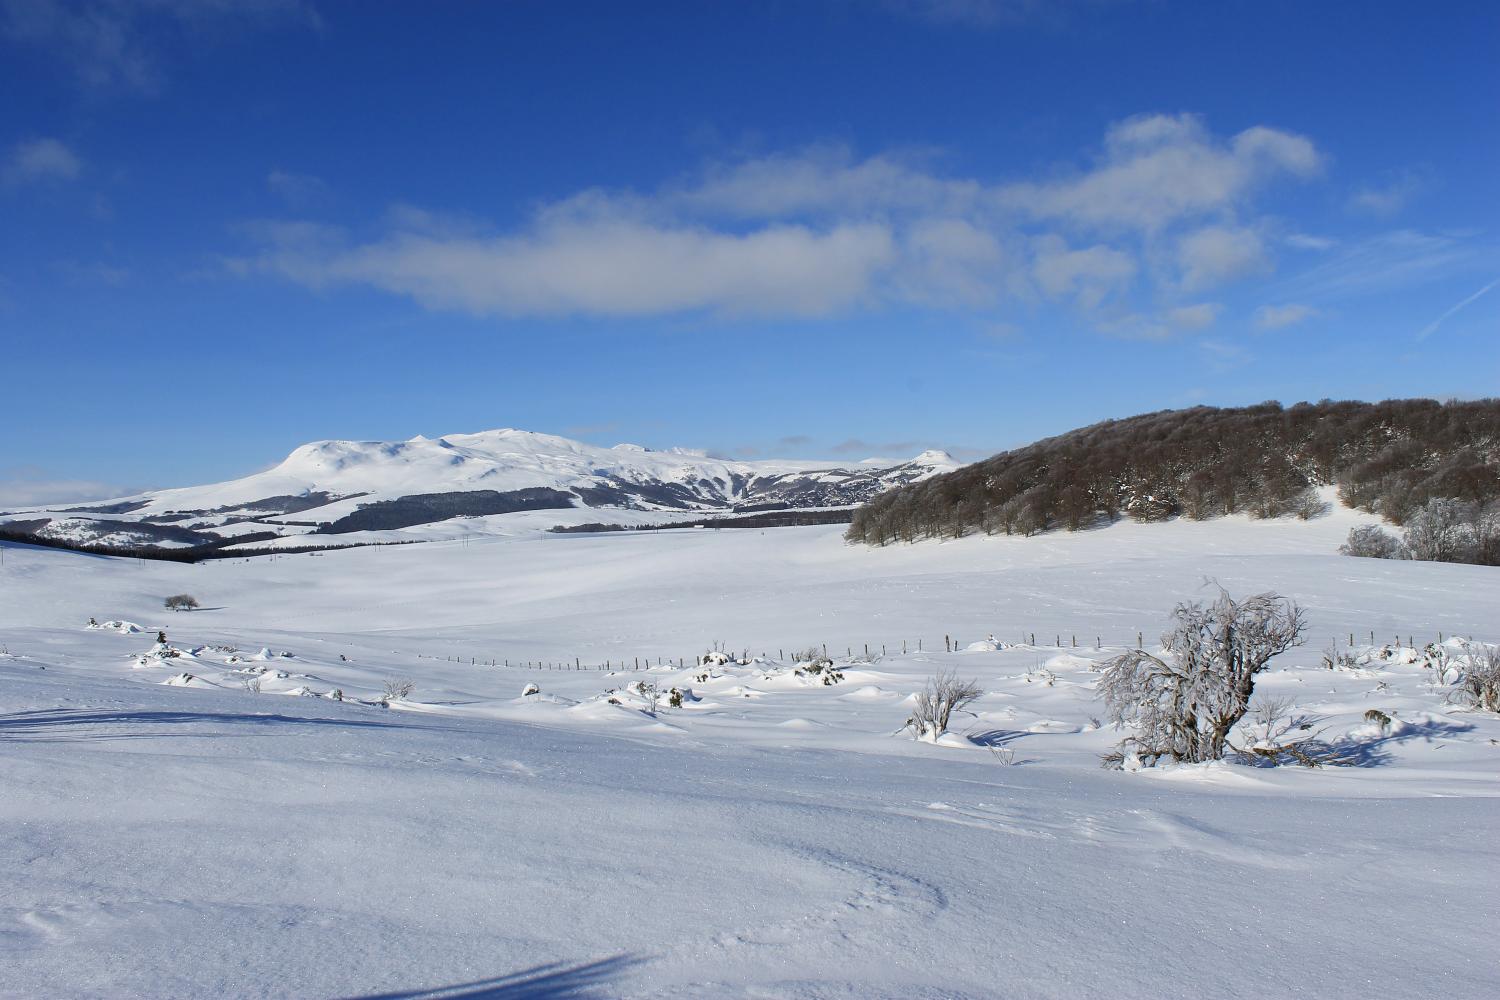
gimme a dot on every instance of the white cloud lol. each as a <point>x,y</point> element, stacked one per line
<point>821,231</point>
<point>40,160</point>
<point>295,189</point>
<point>1194,317</point>
<point>1216,254</point>
<point>1089,275</point>
<point>1161,169</point>
<point>1386,199</point>
<point>1308,241</point>
<point>608,267</point>
<point>1278,317</point>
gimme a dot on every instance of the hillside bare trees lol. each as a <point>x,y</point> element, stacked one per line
<point>1388,458</point>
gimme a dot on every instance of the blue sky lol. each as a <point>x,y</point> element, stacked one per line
<point>811,228</point>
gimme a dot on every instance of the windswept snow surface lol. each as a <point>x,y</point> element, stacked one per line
<point>202,818</point>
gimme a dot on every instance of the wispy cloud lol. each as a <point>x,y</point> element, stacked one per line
<point>1432,327</point>
<point>1280,316</point>
<point>1388,197</point>
<point>35,160</point>
<point>822,232</point>
<point>297,190</point>
<point>117,43</point>
<point>30,486</point>
<point>1389,261</point>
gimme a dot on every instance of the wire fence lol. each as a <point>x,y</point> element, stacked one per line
<point>871,652</point>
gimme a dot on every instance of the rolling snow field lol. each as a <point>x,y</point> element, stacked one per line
<point>204,818</point>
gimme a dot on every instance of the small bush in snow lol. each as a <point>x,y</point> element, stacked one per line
<point>650,694</point>
<point>530,689</point>
<point>1479,678</point>
<point>1183,706</point>
<point>1274,736</point>
<point>180,602</point>
<point>398,690</point>
<point>674,698</point>
<point>1373,542</point>
<point>936,703</point>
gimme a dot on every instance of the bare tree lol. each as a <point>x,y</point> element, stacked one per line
<point>1439,530</point>
<point>1479,678</point>
<point>180,602</point>
<point>936,703</point>
<point>1183,705</point>
<point>398,690</point>
<point>650,694</point>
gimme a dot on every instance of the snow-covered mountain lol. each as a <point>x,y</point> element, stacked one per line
<point>347,487</point>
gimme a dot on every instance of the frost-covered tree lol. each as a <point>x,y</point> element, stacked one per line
<point>1439,531</point>
<point>1372,542</point>
<point>1183,704</point>
<point>181,602</point>
<point>1479,678</point>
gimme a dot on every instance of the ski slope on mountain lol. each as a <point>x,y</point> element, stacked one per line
<point>203,817</point>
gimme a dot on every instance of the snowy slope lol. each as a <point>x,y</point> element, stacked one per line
<point>204,819</point>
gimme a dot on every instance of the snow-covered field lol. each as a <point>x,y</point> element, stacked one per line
<point>176,821</point>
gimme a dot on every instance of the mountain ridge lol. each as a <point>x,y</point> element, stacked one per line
<point>346,487</point>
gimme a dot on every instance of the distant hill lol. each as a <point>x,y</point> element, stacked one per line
<point>1387,458</point>
<point>364,492</point>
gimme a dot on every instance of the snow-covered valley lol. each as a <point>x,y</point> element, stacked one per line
<point>204,817</point>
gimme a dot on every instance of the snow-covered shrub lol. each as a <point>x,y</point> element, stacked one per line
<point>1274,736</point>
<point>180,602</point>
<point>1371,541</point>
<point>1183,705</point>
<point>398,690</point>
<point>1333,659</point>
<point>649,693</point>
<point>936,703</point>
<point>1444,530</point>
<point>674,698</point>
<point>1479,678</point>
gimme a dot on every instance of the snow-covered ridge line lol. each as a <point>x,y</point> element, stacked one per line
<point>360,487</point>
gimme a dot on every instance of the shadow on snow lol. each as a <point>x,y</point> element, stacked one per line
<point>56,725</point>
<point>554,981</point>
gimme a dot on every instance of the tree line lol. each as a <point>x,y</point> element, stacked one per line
<point>1389,458</point>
